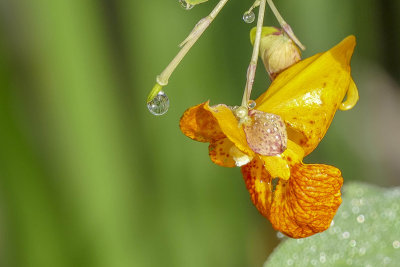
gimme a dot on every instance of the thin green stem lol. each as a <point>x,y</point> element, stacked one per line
<point>251,71</point>
<point>285,26</point>
<point>187,44</point>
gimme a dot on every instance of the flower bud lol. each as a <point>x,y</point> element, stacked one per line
<point>277,50</point>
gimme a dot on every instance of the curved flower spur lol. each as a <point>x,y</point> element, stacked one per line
<point>268,138</point>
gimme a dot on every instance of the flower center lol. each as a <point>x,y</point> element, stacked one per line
<point>265,133</point>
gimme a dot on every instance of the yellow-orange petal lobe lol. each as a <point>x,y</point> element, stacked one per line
<point>220,152</point>
<point>301,206</point>
<point>279,166</point>
<point>258,183</point>
<point>230,126</point>
<point>307,95</point>
<point>199,124</point>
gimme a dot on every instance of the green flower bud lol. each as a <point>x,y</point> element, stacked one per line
<point>277,51</point>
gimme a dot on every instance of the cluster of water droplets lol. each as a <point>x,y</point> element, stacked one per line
<point>185,5</point>
<point>249,17</point>
<point>364,232</point>
<point>159,105</point>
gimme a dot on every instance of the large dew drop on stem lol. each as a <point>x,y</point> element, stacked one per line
<point>249,17</point>
<point>159,105</point>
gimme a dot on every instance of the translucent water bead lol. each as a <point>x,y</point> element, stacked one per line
<point>159,105</point>
<point>185,5</point>
<point>251,104</point>
<point>249,17</point>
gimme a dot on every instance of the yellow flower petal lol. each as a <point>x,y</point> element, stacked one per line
<point>199,124</point>
<point>279,166</point>
<point>308,94</point>
<point>219,152</point>
<point>230,126</point>
<point>352,97</point>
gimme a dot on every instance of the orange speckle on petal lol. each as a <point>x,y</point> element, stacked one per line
<point>219,153</point>
<point>301,206</point>
<point>200,125</point>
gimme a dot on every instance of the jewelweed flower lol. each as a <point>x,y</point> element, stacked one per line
<point>271,140</point>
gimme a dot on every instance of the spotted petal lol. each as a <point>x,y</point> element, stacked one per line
<point>301,206</point>
<point>199,124</point>
<point>230,126</point>
<point>220,152</point>
<point>207,123</point>
<point>308,94</point>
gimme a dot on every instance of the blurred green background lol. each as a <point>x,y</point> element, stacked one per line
<point>88,177</point>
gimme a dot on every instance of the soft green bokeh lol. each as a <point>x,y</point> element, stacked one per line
<point>88,177</point>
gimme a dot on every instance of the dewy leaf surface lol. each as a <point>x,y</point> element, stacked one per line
<point>364,232</point>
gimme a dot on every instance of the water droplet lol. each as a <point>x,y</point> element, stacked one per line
<point>346,235</point>
<point>249,17</point>
<point>322,259</point>
<point>159,105</point>
<point>386,260</point>
<point>355,210</point>
<point>345,215</point>
<point>241,112</point>
<point>360,218</point>
<point>280,235</point>
<point>251,104</point>
<point>185,5</point>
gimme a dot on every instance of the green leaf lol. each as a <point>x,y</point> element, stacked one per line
<point>195,2</point>
<point>364,232</point>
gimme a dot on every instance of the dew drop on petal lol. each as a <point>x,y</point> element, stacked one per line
<point>185,5</point>
<point>261,133</point>
<point>280,235</point>
<point>249,17</point>
<point>251,104</point>
<point>159,105</point>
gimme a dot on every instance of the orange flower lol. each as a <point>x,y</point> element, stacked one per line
<point>305,97</point>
